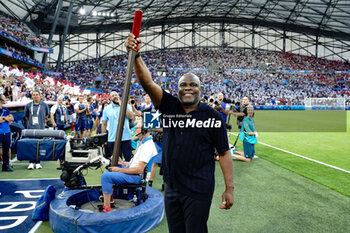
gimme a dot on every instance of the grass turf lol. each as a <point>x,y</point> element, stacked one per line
<point>269,198</point>
<point>328,147</point>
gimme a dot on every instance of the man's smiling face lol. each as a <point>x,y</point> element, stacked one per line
<point>189,89</point>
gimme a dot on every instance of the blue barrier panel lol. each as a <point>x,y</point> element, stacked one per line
<point>17,202</point>
<point>298,107</point>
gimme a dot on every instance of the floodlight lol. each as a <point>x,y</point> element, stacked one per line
<point>82,11</point>
<point>94,13</point>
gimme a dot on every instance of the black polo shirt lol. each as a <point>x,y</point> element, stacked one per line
<point>189,142</point>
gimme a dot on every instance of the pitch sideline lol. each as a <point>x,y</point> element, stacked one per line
<point>301,156</point>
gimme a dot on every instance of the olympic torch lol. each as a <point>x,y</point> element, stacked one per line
<point>136,27</point>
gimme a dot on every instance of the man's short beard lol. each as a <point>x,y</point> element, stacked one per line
<point>195,101</point>
<point>188,104</point>
<point>115,102</point>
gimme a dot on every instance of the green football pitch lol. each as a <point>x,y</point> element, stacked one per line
<point>279,191</point>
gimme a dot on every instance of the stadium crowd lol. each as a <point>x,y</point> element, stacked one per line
<point>21,31</point>
<point>270,78</point>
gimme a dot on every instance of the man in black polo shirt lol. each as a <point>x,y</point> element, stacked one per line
<point>191,132</point>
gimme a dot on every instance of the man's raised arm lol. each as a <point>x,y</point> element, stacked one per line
<point>142,72</point>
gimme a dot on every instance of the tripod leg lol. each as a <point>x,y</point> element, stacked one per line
<point>236,140</point>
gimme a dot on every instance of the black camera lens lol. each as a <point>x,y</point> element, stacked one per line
<point>211,100</point>
<point>132,101</point>
<point>216,102</point>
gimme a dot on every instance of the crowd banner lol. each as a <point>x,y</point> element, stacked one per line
<point>296,107</point>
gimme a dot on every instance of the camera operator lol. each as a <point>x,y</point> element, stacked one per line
<point>134,106</point>
<point>147,105</point>
<point>222,107</point>
<point>129,172</point>
<point>240,111</point>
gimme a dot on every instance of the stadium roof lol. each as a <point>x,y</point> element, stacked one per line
<point>329,18</point>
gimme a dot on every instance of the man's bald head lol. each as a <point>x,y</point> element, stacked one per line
<point>189,76</point>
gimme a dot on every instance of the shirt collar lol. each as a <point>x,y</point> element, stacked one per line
<point>36,104</point>
<point>114,105</point>
<point>200,108</point>
<point>146,139</point>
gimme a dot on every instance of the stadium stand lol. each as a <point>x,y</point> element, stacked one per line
<point>11,26</point>
<point>271,78</point>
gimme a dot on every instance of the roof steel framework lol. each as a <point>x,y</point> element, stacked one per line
<point>305,26</point>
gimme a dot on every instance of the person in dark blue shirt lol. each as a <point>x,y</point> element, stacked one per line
<point>80,108</point>
<point>89,116</point>
<point>191,132</point>
<point>5,134</point>
<point>58,115</point>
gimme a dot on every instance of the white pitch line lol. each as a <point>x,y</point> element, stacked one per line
<point>36,226</point>
<point>304,157</point>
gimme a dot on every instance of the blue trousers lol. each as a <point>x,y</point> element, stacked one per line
<point>60,127</point>
<point>109,178</point>
<point>5,138</point>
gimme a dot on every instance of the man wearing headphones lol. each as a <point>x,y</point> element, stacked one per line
<point>129,172</point>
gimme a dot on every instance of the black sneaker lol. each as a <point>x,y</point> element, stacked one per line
<point>7,169</point>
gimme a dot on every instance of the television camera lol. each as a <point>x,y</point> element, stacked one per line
<point>81,154</point>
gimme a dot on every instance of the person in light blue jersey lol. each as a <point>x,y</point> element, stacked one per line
<point>110,116</point>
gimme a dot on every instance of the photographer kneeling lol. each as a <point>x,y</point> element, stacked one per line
<point>248,135</point>
<point>129,172</point>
